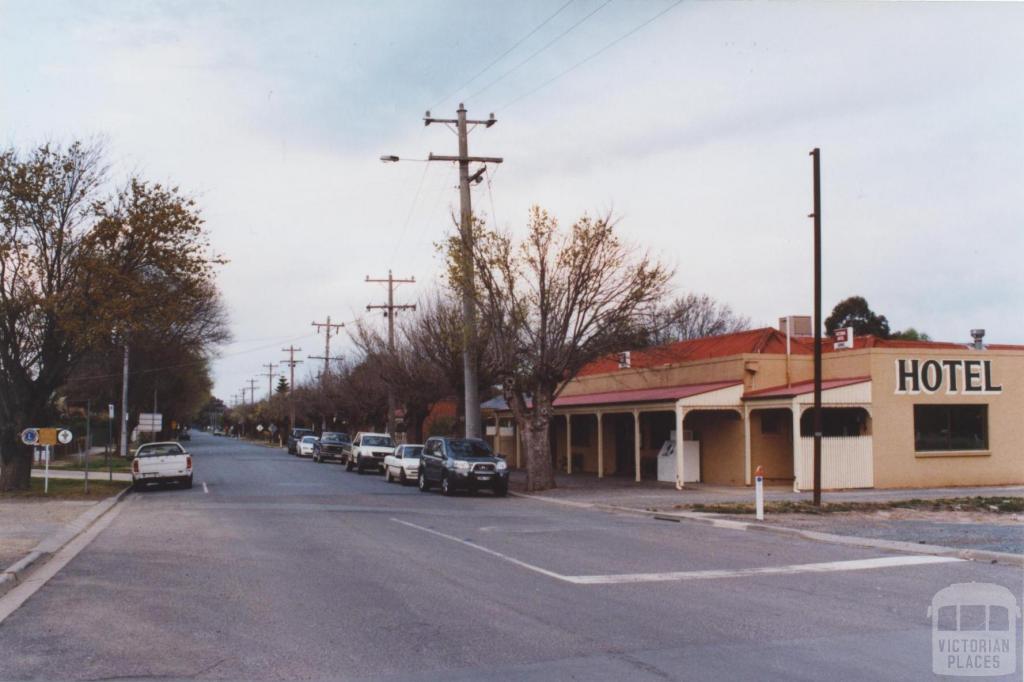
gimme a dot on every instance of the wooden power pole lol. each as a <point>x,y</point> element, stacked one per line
<point>469,336</point>
<point>291,362</point>
<point>270,379</point>
<point>389,311</point>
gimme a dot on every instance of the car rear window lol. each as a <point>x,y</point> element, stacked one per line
<point>466,447</point>
<point>412,453</point>
<point>379,441</point>
<point>159,450</point>
<point>309,439</point>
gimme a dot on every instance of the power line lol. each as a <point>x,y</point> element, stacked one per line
<point>537,52</point>
<point>502,55</point>
<point>408,216</point>
<point>591,56</point>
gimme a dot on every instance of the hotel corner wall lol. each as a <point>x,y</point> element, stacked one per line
<point>895,460</point>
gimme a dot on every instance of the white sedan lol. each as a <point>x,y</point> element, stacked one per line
<point>404,465</point>
<point>305,446</point>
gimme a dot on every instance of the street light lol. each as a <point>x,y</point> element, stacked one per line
<point>389,158</point>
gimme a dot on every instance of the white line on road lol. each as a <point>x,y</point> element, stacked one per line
<point>205,489</point>
<point>517,562</point>
<point>679,576</point>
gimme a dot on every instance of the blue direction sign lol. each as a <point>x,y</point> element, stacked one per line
<point>30,436</point>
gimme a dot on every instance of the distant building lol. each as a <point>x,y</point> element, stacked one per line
<point>710,410</point>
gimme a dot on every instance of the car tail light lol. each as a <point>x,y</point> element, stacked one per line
<point>188,462</point>
<point>135,466</point>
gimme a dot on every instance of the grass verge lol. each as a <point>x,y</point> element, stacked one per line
<point>96,463</point>
<point>993,505</point>
<point>65,489</point>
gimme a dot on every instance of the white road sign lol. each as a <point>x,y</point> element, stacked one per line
<point>150,422</point>
<point>64,436</point>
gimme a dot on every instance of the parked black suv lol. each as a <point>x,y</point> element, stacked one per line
<point>294,437</point>
<point>462,463</point>
<point>330,446</point>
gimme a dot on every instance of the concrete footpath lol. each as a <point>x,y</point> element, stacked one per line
<point>33,530</point>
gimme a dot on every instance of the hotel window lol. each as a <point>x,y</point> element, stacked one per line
<point>950,427</point>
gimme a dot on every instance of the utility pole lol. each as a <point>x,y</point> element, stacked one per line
<point>326,357</point>
<point>469,335</point>
<point>252,391</point>
<point>270,378</point>
<point>124,405</point>
<point>389,312</point>
<point>291,362</point>
<point>816,153</point>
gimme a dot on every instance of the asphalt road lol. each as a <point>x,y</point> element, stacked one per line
<point>286,569</point>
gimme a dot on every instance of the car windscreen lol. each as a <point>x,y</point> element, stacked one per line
<point>412,453</point>
<point>159,450</point>
<point>309,439</point>
<point>379,441</point>
<point>334,438</point>
<point>467,447</point>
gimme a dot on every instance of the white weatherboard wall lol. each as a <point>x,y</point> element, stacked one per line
<point>846,462</point>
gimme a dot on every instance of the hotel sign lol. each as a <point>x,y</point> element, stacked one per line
<point>966,377</point>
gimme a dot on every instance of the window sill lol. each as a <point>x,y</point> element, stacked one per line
<point>953,453</point>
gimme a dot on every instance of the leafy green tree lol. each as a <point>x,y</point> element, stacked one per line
<point>911,334</point>
<point>855,312</point>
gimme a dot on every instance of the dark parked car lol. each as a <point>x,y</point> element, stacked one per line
<point>294,437</point>
<point>462,463</point>
<point>330,446</point>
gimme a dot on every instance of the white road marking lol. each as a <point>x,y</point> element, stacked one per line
<point>679,576</point>
<point>517,562</point>
<point>205,489</point>
<point>793,569</point>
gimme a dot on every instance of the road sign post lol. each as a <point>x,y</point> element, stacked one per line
<point>759,493</point>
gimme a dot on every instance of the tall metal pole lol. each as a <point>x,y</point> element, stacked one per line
<point>88,441</point>
<point>816,154</point>
<point>124,405</point>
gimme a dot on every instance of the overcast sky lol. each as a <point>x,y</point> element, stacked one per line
<point>695,130</point>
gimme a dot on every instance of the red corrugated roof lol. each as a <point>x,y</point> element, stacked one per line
<point>801,388</point>
<point>765,340</point>
<point>642,395</point>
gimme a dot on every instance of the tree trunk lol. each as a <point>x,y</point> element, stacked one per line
<point>540,473</point>
<point>15,463</point>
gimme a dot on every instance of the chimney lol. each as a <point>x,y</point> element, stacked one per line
<point>978,335</point>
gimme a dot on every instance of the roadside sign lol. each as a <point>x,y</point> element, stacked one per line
<point>150,422</point>
<point>259,427</point>
<point>47,437</point>
<point>110,411</point>
<point>273,428</point>
<point>844,338</point>
<point>64,436</point>
<point>30,436</point>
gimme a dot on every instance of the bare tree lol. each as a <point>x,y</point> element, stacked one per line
<point>552,303</point>
<point>692,316</point>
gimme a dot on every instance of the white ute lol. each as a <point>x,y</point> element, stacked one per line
<point>162,462</point>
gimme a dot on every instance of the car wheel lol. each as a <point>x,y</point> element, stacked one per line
<point>348,464</point>
<point>501,490</point>
<point>187,483</point>
<point>402,477</point>
<point>137,486</point>
<point>359,465</point>
<point>421,483</point>
<point>447,488</point>
<point>387,474</point>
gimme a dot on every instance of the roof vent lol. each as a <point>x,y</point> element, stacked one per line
<point>978,335</point>
<point>624,360</point>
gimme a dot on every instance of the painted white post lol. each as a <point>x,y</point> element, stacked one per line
<point>568,443</point>
<point>680,461</point>
<point>46,477</point>
<point>636,443</point>
<point>759,493</point>
<point>797,454</point>
<point>746,444</point>
<point>600,447</point>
